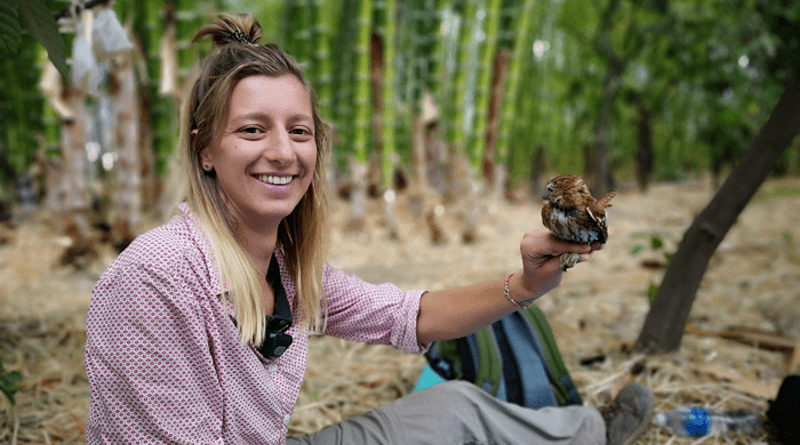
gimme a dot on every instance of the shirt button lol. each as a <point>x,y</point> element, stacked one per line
<point>272,367</point>
<point>286,419</point>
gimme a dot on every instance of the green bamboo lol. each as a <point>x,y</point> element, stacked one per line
<point>389,116</point>
<point>362,83</point>
<point>304,36</point>
<point>491,24</point>
<point>185,27</point>
<point>403,78</point>
<point>438,66</point>
<point>458,131</point>
<point>443,69</point>
<point>521,54</point>
<point>342,80</point>
<point>20,108</point>
<point>323,79</point>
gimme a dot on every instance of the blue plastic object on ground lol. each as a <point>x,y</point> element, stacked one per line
<point>427,379</point>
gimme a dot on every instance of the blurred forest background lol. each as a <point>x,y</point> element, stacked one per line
<point>455,101</point>
<point>439,107</point>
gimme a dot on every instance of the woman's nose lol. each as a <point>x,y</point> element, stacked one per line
<point>280,149</point>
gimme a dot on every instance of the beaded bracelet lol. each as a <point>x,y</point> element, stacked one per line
<point>507,293</point>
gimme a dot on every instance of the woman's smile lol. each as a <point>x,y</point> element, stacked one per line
<point>274,180</point>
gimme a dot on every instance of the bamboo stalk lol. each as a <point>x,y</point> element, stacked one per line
<point>491,24</point>
<point>342,85</point>
<point>362,82</point>
<point>518,60</point>
<point>457,134</point>
<point>323,79</point>
<point>389,116</point>
<point>360,153</point>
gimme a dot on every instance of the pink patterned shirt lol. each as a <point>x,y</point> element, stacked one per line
<point>164,359</point>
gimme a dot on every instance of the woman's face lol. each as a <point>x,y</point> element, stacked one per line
<point>267,154</point>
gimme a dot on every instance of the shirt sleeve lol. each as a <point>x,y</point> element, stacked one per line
<point>371,313</point>
<point>148,361</point>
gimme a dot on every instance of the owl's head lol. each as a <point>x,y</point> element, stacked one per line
<point>563,184</point>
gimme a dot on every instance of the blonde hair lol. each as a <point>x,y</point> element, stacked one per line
<point>302,238</point>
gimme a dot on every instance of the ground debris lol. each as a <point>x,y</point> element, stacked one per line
<point>597,311</point>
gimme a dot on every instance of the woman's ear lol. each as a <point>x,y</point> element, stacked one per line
<point>205,159</point>
<point>205,155</point>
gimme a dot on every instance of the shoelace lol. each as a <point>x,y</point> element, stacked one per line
<point>610,411</point>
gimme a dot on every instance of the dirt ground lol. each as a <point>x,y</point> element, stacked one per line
<point>753,281</point>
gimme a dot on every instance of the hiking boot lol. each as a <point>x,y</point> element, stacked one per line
<point>628,415</point>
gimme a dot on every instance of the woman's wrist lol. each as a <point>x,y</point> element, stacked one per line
<point>514,293</point>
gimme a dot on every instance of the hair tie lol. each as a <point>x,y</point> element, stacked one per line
<point>240,37</point>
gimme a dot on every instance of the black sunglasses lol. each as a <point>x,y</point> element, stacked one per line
<point>276,341</point>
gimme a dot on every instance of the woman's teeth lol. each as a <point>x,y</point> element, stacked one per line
<point>275,180</point>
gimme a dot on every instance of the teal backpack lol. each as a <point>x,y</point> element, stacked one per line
<point>515,359</point>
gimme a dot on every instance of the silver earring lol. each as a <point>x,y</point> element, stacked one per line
<point>206,167</point>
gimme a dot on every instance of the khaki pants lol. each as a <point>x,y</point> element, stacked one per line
<point>460,413</point>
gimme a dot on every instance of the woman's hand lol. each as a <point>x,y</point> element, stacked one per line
<point>541,269</point>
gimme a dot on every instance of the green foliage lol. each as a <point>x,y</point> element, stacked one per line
<point>656,245</point>
<point>656,242</point>
<point>652,292</point>
<point>10,29</point>
<point>37,20</point>
<point>8,383</point>
<point>709,73</point>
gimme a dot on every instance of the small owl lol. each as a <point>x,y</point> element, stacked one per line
<point>572,214</point>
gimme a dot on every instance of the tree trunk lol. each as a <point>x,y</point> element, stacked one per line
<point>418,186</point>
<point>493,171</point>
<point>599,174</point>
<point>73,189</point>
<point>383,149</point>
<point>665,323</point>
<point>128,194</point>
<point>76,190</point>
<point>358,195</point>
<point>644,154</point>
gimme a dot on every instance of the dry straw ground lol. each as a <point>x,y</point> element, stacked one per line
<point>753,281</point>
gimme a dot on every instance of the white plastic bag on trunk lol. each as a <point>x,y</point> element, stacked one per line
<point>85,72</point>
<point>108,37</point>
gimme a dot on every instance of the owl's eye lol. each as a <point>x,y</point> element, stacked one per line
<point>551,188</point>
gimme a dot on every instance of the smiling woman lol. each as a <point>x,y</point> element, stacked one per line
<point>198,332</point>
<point>265,159</point>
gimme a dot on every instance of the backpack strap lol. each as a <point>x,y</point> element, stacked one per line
<point>529,383</point>
<point>562,383</point>
<point>489,363</point>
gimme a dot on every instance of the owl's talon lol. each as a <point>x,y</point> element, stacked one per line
<point>568,260</point>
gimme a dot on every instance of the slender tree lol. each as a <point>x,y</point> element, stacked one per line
<point>482,28</point>
<point>388,115</point>
<point>665,323</point>
<point>519,59</point>
<point>127,197</point>
<point>362,122</point>
<point>72,189</point>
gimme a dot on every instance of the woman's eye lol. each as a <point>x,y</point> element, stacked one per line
<point>251,130</point>
<point>300,131</point>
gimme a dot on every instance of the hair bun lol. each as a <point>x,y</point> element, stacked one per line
<point>229,28</point>
<point>241,37</point>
